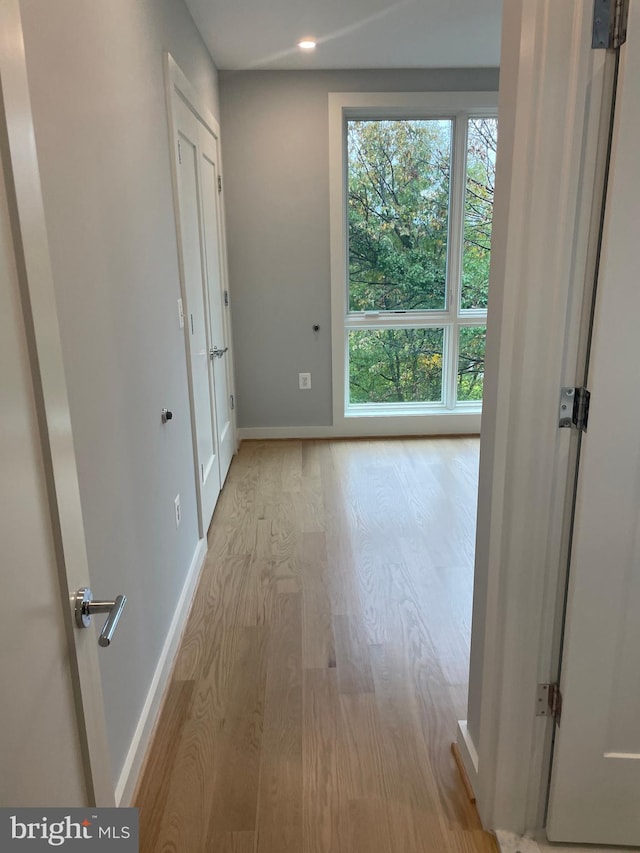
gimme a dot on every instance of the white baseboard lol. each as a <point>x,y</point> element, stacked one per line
<point>140,742</point>
<point>367,427</point>
<point>468,753</point>
<point>248,433</point>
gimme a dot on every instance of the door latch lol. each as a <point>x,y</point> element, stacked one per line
<point>214,352</point>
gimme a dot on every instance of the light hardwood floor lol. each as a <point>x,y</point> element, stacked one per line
<point>324,666</point>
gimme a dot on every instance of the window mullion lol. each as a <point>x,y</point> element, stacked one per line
<point>454,267</point>
<point>456,212</point>
<point>451,360</point>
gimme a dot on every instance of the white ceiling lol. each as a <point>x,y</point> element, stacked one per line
<point>263,34</point>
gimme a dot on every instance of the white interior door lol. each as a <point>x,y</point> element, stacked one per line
<point>39,741</point>
<point>53,746</point>
<point>195,283</point>
<point>219,342</point>
<point>595,787</point>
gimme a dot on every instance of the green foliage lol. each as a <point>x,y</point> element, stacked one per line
<point>398,221</point>
<point>398,214</point>
<point>471,362</point>
<point>478,211</point>
<point>395,365</point>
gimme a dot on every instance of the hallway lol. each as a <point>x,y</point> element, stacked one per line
<point>324,665</point>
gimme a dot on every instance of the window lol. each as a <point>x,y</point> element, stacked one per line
<point>411,251</point>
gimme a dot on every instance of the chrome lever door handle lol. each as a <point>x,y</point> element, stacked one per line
<point>109,627</point>
<point>85,607</point>
<point>217,353</point>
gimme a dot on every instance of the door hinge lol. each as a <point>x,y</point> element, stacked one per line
<point>226,297</point>
<point>549,701</point>
<point>233,402</point>
<point>574,408</point>
<point>609,24</point>
<point>179,152</point>
<point>219,183</point>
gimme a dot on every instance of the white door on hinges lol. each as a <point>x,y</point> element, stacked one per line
<point>200,241</point>
<point>595,787</point>
<point>53,740</point>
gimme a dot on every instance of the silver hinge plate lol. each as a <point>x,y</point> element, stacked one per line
<point>233,402</point>
<point>179,152</point>
<point>574,408</point>
<point>549,701</point>
<point>219,183</point>
<point>609,24</point>
<point>226,297</point>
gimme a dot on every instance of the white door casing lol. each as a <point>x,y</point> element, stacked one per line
<point>53,739</point>
<point>596,768</point>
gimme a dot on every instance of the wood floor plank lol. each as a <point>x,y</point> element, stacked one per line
<point>416,830</point>
<point>366,827</point>
<point>186,812</point>
<point>309,505</point>
<point>322,827</point>
<point>233,842</point>
<point>362,771</point>
<point>318,638</point>
<point>323,668</point>
<point>340,579</point>
<point>352,656</point>
<point>279,819</point>
<point>409,777</point>
<point>222,601</point>
<point>236,775</point>
<point>154,792</point>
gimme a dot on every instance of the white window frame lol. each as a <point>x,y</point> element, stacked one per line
<point>423,418</point>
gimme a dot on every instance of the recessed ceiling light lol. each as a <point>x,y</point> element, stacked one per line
<point>307,44</point>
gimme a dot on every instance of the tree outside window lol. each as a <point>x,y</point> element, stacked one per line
<point>415,310</point>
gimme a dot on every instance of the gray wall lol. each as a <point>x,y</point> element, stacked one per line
<point>96,78</point>
<point>275,152</point>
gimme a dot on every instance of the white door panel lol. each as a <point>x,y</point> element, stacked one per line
<point>38,738</point>
<point>215,280</point>
<point>53,741</point>
<point>196,294</point>
<point>595,789</point>
<point>201,241</point>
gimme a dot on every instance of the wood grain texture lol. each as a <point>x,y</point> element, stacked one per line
<point>153,792</point>
<point>319,681</point>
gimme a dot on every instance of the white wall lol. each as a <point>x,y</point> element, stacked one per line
<point>275,148</point>
<point>96,79</point>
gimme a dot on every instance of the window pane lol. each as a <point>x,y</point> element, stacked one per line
<point>395,365</point>
<point>478,211</point>
<point>398,180</point>
<point>472,342</point>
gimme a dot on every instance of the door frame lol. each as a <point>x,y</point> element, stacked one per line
<point>177,85</point>
<point>20,161</point>
<point>554,110</point>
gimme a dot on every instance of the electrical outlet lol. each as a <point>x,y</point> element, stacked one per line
<point>178,510</point>
<point>304,381</point>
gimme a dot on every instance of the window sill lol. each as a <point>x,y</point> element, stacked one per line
<point>385,410</point>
